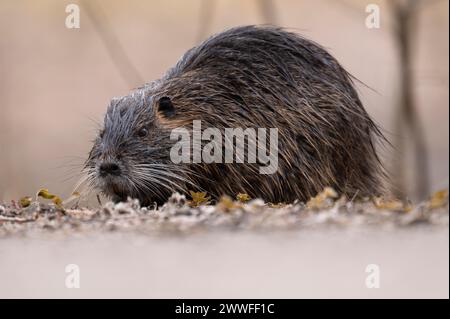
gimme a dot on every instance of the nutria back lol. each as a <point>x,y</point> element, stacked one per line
<point>246,77</point>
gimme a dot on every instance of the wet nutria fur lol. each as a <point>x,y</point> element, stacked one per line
<point>247,77</point>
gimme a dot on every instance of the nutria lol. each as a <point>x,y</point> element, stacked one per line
<point>247,77</point>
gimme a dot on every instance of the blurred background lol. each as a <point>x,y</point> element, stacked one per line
<point>55,82</point>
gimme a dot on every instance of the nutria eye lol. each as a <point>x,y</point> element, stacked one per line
<point>165,106</point>
<point>142,132</point>
<point>102,133</point>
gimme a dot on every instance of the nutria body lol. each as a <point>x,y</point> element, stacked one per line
<point>247,77</point>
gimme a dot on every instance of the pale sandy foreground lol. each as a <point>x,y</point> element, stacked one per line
<point>413,263</point>
<point>228,251</point>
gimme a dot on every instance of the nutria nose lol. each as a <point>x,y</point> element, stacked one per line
<point>109,168</point>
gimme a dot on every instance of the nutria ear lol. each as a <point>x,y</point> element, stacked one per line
<point>166,107</point>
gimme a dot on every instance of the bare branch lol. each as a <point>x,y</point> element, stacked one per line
<point>117,53</point>
<point>268,11</point>
<point>206,17</point>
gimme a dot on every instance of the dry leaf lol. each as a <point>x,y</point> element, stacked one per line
<point>329,192</point>
<point>44,193</point>
<point>73,197</point>
<point>324,199</point>
<point>439,199</point>
<point>199,198</point>
<point>226,204</point>
<point>393,204</point>
<point>57,201</point>
<point>25,201</point>
<point>242,197</point>
<point>279,205</point>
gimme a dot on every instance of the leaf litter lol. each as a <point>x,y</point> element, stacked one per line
<point>200,213</point>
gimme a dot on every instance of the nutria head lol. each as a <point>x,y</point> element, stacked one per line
<point>131,154</point>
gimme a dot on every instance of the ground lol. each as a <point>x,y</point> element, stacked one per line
<point>234,248</point>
